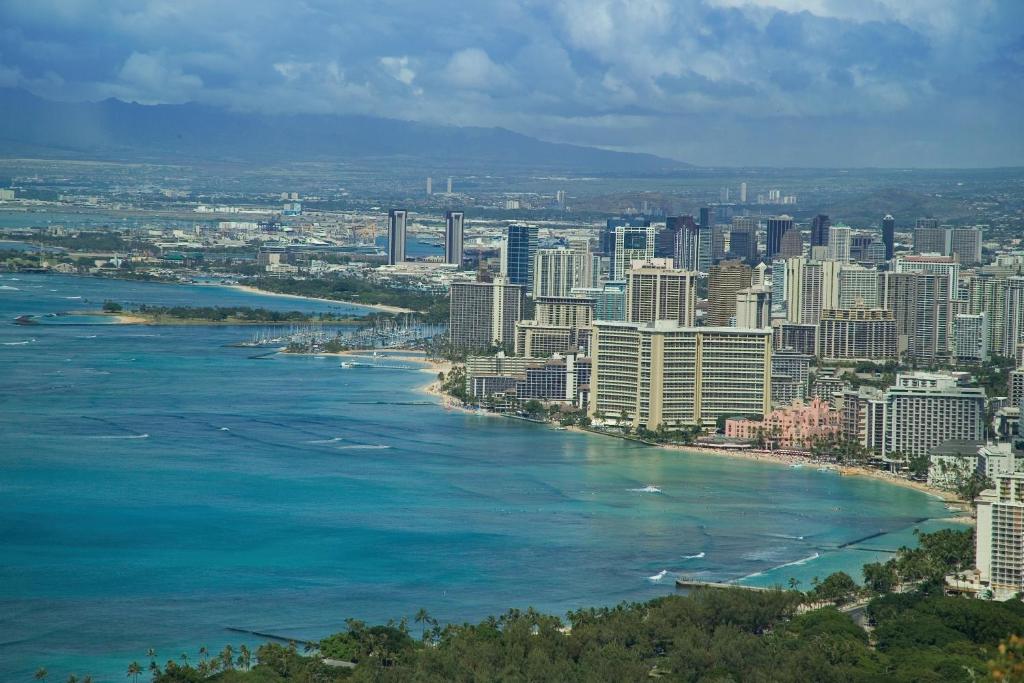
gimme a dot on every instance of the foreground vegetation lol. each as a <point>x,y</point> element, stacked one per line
<point>915,634</point>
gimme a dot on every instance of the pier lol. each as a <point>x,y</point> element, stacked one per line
<point>691,584</point>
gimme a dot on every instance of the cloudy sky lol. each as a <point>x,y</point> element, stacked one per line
<point>713,82</point>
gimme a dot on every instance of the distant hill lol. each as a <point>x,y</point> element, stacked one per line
<point>112,129</point>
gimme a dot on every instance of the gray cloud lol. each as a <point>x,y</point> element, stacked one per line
<point>809,82</point>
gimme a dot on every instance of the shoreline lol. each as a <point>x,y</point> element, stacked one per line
<point>134,318</point>
<point>383,308</point>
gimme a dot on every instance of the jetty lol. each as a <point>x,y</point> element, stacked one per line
<point>691,584</point>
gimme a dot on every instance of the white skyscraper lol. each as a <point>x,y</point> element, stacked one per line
<point>839,243</point>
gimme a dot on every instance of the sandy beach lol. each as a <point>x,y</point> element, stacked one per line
<point>377,307</point>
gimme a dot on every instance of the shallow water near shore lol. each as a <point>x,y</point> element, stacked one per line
<point>158,488</point>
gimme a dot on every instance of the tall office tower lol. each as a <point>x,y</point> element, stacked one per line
<point>719,238</point>
<point>965,245</point>
<point>661,374</point>
<point>743,193</point>
<point>857,334</point>
<point>560,198</point>
<point>858,287</point>
<point>929,240</point>
<point>631,244</point>
<point>556,272</point>
<point>609,300</point>
<point>793,245</point>
<point>560,325</point>
<point>986,293</point>
<point>971,338</point>
<point>889,235</point>
<point>707,217</point>
<point>811,287</point>
<point>520,252</point>
<point>754,307</point>
<point>430,186</point>
<point>587,278</point>
<point>743,238</point>
<point>924,312</point>
<point>449,184</point>
<point>777,227</point>
<point>724,280</point>
<point>453,236</point>
<point>656,291</point>
<point>484,313</point>
<point>665,242</point>
<point>704,250</point>
<point>397,224</point>
<point>925,410</point>
<point>686,251</point>
<point>820,234</point>
<point>839,238</point>
<point>1013,316</point>
<point>606,244</point>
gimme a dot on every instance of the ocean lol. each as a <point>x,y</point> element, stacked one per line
<point>159,488</point>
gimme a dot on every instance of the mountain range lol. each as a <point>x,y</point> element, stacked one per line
<point>128,131</point>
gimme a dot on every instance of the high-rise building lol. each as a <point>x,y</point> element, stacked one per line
<point>965,245</point>
<point>793,245</point>
<point>925,410</point>
<point>924,312</point>
<point>940,265</point>
<point>926,223</point>
<point>839,243</point>
<point>453,236</point>
<point>560,325</point>
<point>632,244</point>
<point>986,293</point>
<point>743,193</point>
<point>971,337</point>
<point>743,238</point>
<point>397,226</point>
<point>656,291</point>
<point>556,272</point>
<point>889,236</point>
<point>754,307</point>
<point>609,300</point>
<point>686,254</point>
<point>484,313</point>
<point>800,338</point>
<point>820,235</point>
<point>719,237</point>
<point>931,240</point>
<point>724,280</point>
<point>449,185</point>
<point>1013,316</point>
<point>707,217</point>
<point>999,544</point>
<point>520,252</point>
<point>811,287</point>
<point>606,243</point>
<point>661,374</point>
<point>858,287</point>
<point>665,242</point>
<point>430,186</point>
<point>857,334</point>
<point>790,373</point>
<point>777,227</point>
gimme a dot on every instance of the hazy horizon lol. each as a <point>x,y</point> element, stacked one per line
<point>719,83</point>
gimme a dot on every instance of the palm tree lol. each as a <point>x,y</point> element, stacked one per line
<point>134,669</point>
<point>227,656</point>
<point>41,673</point>
<point>87,679</point>
<point>184,658</point>
<point>244,657</point>
<point>72,678</point>
<point>203,652</point>
<point>422,617</point>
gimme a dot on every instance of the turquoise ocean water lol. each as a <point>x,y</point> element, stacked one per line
<point>158,488</point>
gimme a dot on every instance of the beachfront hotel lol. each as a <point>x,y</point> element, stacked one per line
<point>484,313</point>
<point>660,373</point>
<point>657,291</point>
<point>793,426</point>
<point>999,545</point>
